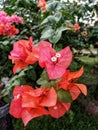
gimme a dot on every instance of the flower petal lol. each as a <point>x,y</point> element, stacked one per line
<point>59,109</point>
<point>66,57</point>
<point>29,101</point>
<point>75,92</point>
<point>49,99</point>
<point>29,114</point>
<point>76,74</point>
<point>83,88</point>
<point>15,108</point>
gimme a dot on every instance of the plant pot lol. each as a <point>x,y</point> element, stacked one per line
<point>5,118</point>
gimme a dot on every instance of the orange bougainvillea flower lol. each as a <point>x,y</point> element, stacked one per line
<point>48,98</point>
<point>55,63</point>
<point>68,83</point>
<point>40,97</point>
<point>23,54</point>
<point>59,109</point>
<point>26,106</point>
<point>42,5</point>
<point>76,27</point>
<point>30,113</point>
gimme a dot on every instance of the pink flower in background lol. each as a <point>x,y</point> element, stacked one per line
<point>16,19</point>
<point>7,27</point>
<point>76,27</point>
<point>55,63</point>
<point>5,18</point>
<point>3,13</point>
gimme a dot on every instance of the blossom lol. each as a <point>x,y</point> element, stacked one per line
<point>44,97</point>
<point>55,63</point>
<point>8,29</point>
<point>42,4</point>
<point>23,54</point>
<point>5,18</point>
<point>16,19</point>
<point>26,106</point>
<point>68,83</point>
<point>3,13</point>
<point>76,27</point>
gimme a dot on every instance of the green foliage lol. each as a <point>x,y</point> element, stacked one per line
<point>44,81</point>
<point>64,96</point>
<point>16,80</point>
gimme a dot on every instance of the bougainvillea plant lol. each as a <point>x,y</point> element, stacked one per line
<point>56,86</point>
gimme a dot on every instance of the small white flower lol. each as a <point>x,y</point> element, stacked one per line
<point>55,108</point>
<point>58,55</point>
<point>18,96</point>
<point>54,58</point>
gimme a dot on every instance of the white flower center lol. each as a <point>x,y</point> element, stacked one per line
<point>58,55</point>
<point>54,58</point>
<point>55,108</point>
<point>18,96</point>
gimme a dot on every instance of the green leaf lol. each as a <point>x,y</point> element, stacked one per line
<point>64,96</point>
<point>31,74</point>
<point>14,81</point>
<point>52,19</point>
<point>47,33</point>
<point>57,34</point>
<point>42,82</point>
<point>53,5</point>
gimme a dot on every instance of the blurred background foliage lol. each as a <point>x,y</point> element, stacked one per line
<point>52,26</point>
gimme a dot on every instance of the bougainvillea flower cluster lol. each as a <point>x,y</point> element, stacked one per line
<point>7,27</point>
<point>56,88</point>
<point>42,5</point>
<point>74,27</point>
<point>23,54</point>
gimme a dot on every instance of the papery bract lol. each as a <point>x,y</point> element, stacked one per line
<point>55,63</point>
<point>23,54</point>
<point>59,109</point>
<point>30,113</point>
<point>49,98</point>
<point>68,83</point>
<point>40,97</point>
<point>16,103</point>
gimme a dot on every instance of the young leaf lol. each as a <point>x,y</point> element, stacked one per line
<point>64,96</point>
